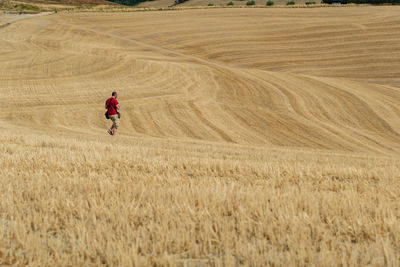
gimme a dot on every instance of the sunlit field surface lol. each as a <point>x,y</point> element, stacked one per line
<point>248,137</point>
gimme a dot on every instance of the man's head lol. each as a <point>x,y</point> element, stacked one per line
<point>114,94</point>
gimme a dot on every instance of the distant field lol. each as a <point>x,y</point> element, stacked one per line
<point>248,137</point>
<point>69,2</point>
<point>8,7</point>
<point>194,3</point>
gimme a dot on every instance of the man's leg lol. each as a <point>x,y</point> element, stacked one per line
<point>115,125</point>
<point>110,131</point>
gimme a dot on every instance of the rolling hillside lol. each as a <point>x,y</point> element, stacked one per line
<point>326,85</point>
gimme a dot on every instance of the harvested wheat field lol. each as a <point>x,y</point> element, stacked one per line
<point>249,136</point>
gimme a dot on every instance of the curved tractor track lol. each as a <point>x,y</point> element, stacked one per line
<point>249,76</point>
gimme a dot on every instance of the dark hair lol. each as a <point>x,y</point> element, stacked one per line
<point>114,93</point>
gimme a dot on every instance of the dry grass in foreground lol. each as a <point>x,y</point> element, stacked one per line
<point>71,202</point>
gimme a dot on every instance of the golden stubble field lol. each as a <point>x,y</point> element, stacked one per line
<point>248,137</point>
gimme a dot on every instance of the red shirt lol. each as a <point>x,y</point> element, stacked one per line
<point>112,107</point>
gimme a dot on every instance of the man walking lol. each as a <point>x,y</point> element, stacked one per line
<point>112,107</point>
